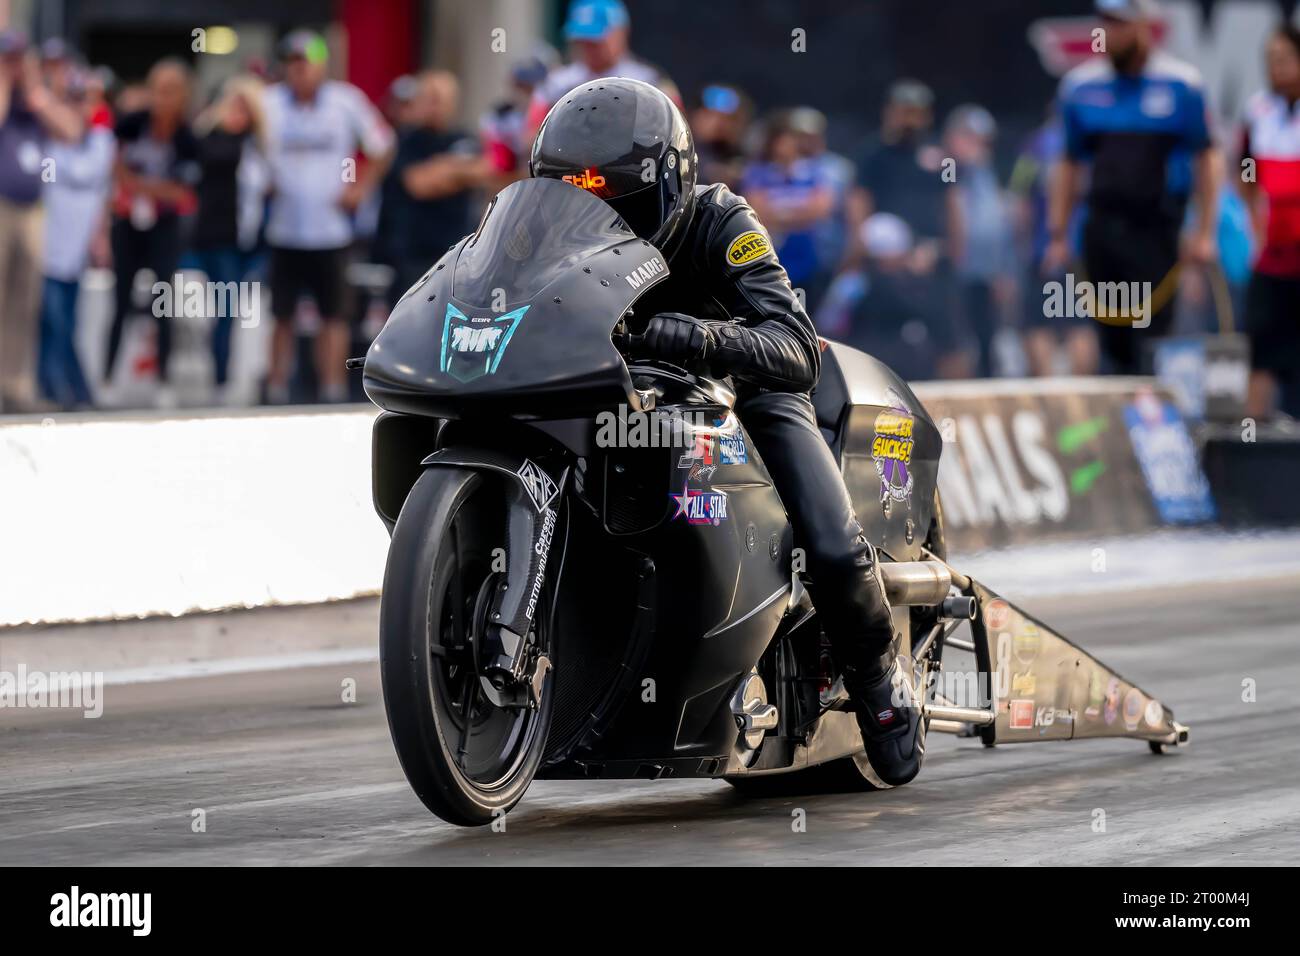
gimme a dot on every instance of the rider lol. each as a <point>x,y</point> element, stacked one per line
<point>627,142</point>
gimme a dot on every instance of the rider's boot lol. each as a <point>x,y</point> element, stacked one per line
<point>889,716</point>
<point>878,683</point>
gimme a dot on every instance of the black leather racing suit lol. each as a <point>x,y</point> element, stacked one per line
<point>774,358</point>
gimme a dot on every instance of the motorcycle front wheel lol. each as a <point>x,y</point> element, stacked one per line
<point>468,760</point>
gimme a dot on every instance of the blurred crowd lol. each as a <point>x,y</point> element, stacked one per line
<point>924,247</point>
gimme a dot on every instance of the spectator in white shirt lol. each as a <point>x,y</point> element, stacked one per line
<point>75,209</point>
<point>315,128</point>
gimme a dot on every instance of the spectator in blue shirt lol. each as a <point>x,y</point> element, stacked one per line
<point>1135,120</point>
<point>794,197</point>
<point>840,173</point>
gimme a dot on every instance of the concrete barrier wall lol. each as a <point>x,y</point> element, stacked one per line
<point>114,517</point>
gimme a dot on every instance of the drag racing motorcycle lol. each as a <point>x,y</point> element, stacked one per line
<point>591,574</point>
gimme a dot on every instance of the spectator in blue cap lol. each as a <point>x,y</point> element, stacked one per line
<point>597,31</point>
<point>595,20</point>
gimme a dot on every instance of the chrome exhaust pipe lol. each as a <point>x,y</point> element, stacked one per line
<point>965,715</point>
<point>913,583</point>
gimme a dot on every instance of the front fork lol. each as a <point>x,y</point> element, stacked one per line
<point>513,665</point>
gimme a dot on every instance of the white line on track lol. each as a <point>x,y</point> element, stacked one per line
<point>241,665</point>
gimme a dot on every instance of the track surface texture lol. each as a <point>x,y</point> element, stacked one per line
<point>287,773</point>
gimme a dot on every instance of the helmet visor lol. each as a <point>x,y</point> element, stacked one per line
<point>643,210</point>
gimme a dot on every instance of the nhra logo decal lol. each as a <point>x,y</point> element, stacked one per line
<point>891,449</point>
<point>539,485</point>
<point>700,507</point>
<point>647,272</point>
<point>747,247</point>
<point>472,347</point>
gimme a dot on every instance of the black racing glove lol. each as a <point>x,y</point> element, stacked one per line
<point>677,337</point>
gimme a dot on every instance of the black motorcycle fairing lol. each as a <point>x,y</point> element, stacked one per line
<point>859,402</point>
<point>516,319</point>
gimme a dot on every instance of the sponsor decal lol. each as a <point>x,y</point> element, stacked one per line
<point>1026,643</point>
<point>646,272</point>
<point>1022,715</point>
<point>732,449</point>
<point>886,717</point>
<point>1111,710</point>
<point>700,459</point>
<point>1169,461</point>
<point>997,614</point>
<point>1045,717</point>
<point>473,346</point>
<point>700,507</point>
<point>1155,715</point>
<point>1132,708</point>
<point>543,551</point>
<point>588,179</point>
<point>540,486</point>
<point>1096,696</point>
<point>747,247</point>
<point>891,449</point>
<point>1025,683</point>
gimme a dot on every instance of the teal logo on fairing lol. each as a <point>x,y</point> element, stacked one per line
<point>472,347</point>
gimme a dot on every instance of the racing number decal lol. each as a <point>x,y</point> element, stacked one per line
<point>1002,669</point>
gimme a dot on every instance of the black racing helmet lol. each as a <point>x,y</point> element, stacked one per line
<point>628,143</point>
